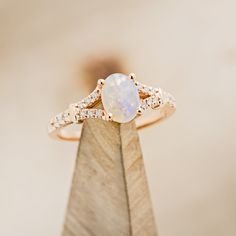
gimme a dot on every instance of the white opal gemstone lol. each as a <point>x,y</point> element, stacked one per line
<point>120,97</point>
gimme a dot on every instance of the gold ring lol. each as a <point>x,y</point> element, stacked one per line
<point>123,98</point>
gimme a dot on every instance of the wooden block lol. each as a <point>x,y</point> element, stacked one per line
<point>109,194</point>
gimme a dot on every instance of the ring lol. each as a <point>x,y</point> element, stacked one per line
<point>123,98</point>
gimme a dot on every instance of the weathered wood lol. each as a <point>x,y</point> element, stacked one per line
<point>109,194</point>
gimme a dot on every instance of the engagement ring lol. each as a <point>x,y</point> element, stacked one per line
<point>123,98</point>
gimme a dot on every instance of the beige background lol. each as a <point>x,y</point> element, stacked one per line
<point>187,47</point>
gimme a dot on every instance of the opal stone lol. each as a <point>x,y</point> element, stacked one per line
<point>120,97</point>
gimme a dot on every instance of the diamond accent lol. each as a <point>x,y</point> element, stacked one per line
<point>92,98</point>
<point>144,89</point>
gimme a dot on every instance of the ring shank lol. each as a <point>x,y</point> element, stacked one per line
<point>156,116</point>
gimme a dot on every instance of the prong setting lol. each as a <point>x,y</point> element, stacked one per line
<point>101,82</point>
<point>109,116</point>
<point>132,76</point>
<point>139,111</point>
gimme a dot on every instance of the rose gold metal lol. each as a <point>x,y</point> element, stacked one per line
<point>162,103</point>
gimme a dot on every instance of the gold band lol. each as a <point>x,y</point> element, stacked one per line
<point>161,104</point>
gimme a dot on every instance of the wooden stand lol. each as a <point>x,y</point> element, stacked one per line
<point>109,194</point>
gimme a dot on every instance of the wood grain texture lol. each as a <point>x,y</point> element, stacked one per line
<point>109,193</point>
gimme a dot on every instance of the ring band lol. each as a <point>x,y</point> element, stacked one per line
<point>125,106</point>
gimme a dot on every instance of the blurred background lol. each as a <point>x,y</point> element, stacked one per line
<point>186,47</point>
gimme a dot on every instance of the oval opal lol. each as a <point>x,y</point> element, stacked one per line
<point>120,97</point>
